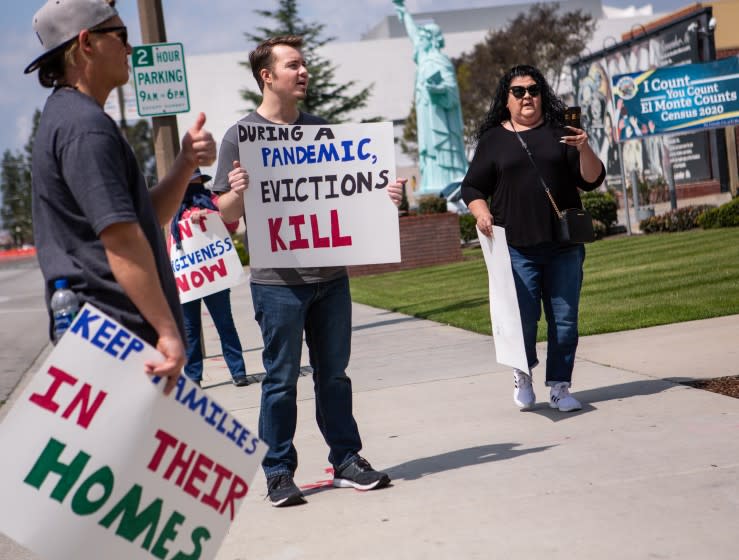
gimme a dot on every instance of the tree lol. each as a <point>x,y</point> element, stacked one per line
<point>543,37</point>
<point>28,148</point>
<point>15,185</point>
<point>139,136</point>
<point>325,98</point>
<point>16,208</point>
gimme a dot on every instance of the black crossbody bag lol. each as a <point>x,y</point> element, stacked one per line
<point>575,224</point>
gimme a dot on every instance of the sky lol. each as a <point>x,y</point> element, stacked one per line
<point>203,26</point>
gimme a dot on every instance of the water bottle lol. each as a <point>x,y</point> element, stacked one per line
<point>64,306</point>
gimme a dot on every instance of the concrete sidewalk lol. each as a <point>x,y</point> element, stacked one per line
<point>649,469</point>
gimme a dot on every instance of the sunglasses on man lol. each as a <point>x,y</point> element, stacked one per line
<point>121,32</point>
<point>519,91</point>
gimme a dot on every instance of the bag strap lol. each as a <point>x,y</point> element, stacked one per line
<point>531,159</point>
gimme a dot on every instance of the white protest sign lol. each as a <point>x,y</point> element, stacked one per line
<point>105,466</point>
<point>208,262</point>
<point>317,194</point>
<point>504,313</point>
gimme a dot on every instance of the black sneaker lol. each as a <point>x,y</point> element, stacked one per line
<point>240,381</point>
<point>282,492</point>
<point>360,475</point>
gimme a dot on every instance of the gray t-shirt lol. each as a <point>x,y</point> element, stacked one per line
<point>85,179</point>
<point>229,153</point>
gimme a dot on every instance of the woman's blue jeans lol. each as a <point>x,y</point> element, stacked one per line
<point>324,312</point>
<point>219,307</point>
<point>550,275</point>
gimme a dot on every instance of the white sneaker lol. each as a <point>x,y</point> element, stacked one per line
<point>559,397</point>
<point>523,391</point>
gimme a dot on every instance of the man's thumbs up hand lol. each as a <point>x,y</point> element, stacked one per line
<point>198,144</point>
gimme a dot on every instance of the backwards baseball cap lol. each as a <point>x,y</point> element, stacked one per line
<point>60,21</point>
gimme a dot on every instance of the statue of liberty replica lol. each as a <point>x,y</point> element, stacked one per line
<point>441,154</point>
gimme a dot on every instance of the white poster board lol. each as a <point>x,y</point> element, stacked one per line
<point>504,313</point>
<point>208,262</point>
<point>98,463</point>
<point>317,194</point>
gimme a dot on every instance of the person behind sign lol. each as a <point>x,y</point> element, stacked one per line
<point>94,221</point>
<point>290,301</point>
<point>545,271</point>
<point>197,203</point>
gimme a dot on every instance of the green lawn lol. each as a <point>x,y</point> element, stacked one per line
<point>630,282</point>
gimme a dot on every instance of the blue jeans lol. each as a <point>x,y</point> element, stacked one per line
<point>550,275</point>
<point>324,312</point>
<point>219,307</point>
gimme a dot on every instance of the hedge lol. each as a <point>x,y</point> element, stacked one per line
<point>467,227</point>
<point>431,204</point>
<point>680,219</point>
<point>602,207</point>
<point>726,215</point>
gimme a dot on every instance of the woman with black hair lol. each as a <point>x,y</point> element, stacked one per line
<point>197,202</point>
<point>525,115</point>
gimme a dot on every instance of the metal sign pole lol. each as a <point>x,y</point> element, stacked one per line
<point>635,192</point>
<point>669,175</point>
<point>623,187</point>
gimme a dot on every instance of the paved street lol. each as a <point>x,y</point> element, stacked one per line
<point>23,337</point>
<point>23,320</point>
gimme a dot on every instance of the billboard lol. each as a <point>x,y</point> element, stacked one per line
<point>592,80</point>
<point>676,98</point>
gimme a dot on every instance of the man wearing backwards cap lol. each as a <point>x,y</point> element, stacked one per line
<point>94,221</point>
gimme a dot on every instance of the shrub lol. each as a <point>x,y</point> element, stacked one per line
<point>681,219</point>
<point>467,227</point>
<point>599,229</point>
<point>431,204</point>
<point>602,206</point>
<point>238,242</point>
<point>726,215</point>
<point>709,219</point>
<point>651,190</point>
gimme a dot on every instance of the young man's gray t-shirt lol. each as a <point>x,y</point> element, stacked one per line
<point>229,152</point>
<point>85,179</point>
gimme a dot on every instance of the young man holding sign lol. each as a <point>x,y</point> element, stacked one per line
<point>288,301</point>
<point>94,222</point>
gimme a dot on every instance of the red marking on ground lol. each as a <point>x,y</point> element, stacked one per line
<point>321,483</point>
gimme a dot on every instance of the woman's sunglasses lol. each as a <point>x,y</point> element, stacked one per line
<point>121,32</point>
<point>519,91</point>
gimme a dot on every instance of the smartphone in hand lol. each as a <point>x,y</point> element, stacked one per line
<point>572,117</point>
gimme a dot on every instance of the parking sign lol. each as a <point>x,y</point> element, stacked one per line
<point>160,79</point>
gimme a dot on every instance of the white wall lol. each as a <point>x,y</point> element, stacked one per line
<point>215,80</point>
